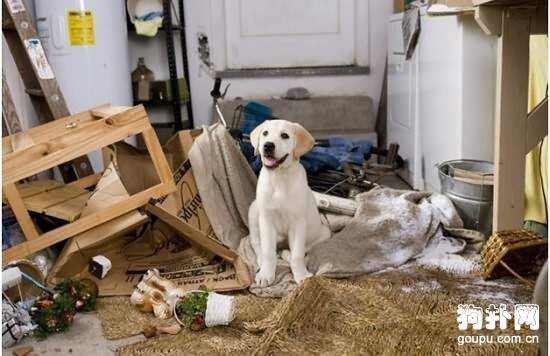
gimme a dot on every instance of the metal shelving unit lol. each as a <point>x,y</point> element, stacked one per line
<point>169,28</point>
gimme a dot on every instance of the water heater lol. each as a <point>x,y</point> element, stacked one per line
<point>87,44</point>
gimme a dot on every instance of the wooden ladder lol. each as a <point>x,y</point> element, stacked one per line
<point>38,78</point>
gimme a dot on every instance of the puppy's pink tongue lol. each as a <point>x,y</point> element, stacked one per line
<point>270,161</point>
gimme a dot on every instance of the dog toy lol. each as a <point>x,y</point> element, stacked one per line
<point>193,309</point>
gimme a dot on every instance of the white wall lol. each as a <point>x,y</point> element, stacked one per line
<point>206,16</point>
<point>199,15</point>
<point>153,49</point>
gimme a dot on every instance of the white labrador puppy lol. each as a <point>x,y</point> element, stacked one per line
<point>284,213</point>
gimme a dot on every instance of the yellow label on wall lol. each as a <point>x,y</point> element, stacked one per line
<point>81,28</point>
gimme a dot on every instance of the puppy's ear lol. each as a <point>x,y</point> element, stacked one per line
<point>255,137</point>
<point>303,141</point>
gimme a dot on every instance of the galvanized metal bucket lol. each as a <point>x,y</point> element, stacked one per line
<point>473,201</point>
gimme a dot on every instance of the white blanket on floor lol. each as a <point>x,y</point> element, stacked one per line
<point>390,227</point>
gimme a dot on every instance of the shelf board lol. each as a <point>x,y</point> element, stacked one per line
<point>156,102</point>
<point>132,29</point>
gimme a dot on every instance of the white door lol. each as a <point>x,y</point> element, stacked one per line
<point>251,36</point>
<point>290,33</point>
<point>402,123</point>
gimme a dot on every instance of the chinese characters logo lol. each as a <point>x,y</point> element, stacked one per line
<point>497,316</point>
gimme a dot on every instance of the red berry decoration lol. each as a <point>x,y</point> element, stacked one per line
<point>56,313</point>
<point>68,317</point>
<point>198,323</point>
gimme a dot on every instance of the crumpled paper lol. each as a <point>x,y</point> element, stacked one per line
<point>16,321</point>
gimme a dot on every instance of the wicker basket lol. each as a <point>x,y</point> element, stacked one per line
<point>512,252</point>
<point>28,289</point>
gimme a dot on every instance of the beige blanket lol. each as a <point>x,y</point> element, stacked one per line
<point>226,183</point>
<point>389,228</point>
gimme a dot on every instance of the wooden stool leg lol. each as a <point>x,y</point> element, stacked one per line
<point>511,119</point>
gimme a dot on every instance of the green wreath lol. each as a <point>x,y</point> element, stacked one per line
<point>54,313</point>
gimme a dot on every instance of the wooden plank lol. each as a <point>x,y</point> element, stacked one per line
<point>54,199</point>
<point>85,223</point>
<point>21,213</point>
<point>91,135</point>
<point>69,210</point>
<point>50,105</point>
<point>29,189</point>
<point>42,156</point>
<point>39,203</point>
<point>9,113</point>
<point>60,127</point>
<point>86,182</point>
<point>108,110</point>
<point>20,141</point>
<point>510,122</point>
<point>191,233</point>
<point>507,2</point>
<point>537,125</point>
<point>36,187</point>
<point>157,155</point>
<point>5,130</point>
<point>489,18</point>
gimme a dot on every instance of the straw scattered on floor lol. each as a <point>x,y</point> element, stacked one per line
<point>405,311</point>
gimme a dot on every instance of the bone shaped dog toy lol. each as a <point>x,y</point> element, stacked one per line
<point>156,294</point>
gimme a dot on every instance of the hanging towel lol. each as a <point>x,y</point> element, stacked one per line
<point>411,28</point>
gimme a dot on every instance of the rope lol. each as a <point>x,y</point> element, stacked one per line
<point>515,274</point>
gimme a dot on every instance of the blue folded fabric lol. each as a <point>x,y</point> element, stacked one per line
<point>254,114</point>
<point>322,158</point>
<point>338,150</point>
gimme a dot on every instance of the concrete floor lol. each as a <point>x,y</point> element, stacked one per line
<point>83,338</point>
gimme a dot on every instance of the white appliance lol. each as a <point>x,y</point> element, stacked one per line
<point>87,45</point>
<point>441,102</point>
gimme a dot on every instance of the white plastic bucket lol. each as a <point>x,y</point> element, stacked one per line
<point>220,309</point>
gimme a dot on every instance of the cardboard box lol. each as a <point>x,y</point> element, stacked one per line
<point>202,260</point>
<point>187,266</point>
<point>184,213</point>
<point>185,202</point>
<point>75,254</point>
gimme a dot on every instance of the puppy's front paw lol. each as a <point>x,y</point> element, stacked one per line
<point>299,277</point>
<point>264,278</point>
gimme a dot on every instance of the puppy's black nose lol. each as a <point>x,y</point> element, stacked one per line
<point>269,147</point>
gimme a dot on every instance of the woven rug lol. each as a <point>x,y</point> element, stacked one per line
<point>405,311</point>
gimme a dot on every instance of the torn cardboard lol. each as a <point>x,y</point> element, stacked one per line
<point>185,202</point>
<point>183,210</point>
<point>108,191</point>
<point>127,158</point>
<point>204,262</point>
<point>187,268</point>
